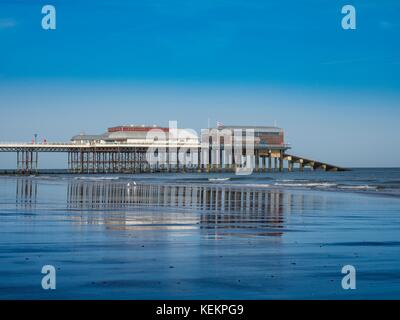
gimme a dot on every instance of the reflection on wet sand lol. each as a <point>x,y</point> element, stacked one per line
<point>211,208</point>
<point>192,239</point>
<point>26,192</point>
<point>214,209</point>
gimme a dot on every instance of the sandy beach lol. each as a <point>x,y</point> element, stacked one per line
<point>185,237</point>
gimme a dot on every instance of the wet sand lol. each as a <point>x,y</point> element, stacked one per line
<point>113,240</point>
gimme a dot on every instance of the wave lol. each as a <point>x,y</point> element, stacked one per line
<point>218,179</point>
<point>307,184</point>
<point>96,178</point>
<point>365,187</point>
<point>254,185</point>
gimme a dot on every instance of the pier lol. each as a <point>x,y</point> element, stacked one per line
<point>133,159</point>
<point>141,149</point>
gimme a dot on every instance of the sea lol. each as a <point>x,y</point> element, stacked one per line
<point>202,236</point>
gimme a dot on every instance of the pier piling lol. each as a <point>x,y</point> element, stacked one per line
<point>85,159</point>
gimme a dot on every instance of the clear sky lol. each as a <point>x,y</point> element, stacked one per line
<point>334,91</point>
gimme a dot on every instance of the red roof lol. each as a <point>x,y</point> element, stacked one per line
<point>137,129</point>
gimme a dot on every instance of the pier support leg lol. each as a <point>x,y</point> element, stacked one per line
<point>220,159</point>
<point>177,160</point>
<point>281,162</point>
<point>233,161</point>
<point>18,163</point>
<point>169,160</point>
<point>269,163</point>
<point>36,162</point>
<point>81,162</point>
<point>214,160</point>
<point>257,161</point>
<point>264,167</point>
<point>290,166</point>
<point>199,164</point>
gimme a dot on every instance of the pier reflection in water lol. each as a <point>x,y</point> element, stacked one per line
<point>215,209</point>
<point>26,192</point>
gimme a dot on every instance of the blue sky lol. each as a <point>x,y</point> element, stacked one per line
<point>335,92</point>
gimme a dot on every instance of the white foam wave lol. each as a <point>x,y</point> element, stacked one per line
<point>365,187</point>
<point>307,184</point>
<point>255,185</point>
<point>218,179</point>
<point>293,180</point>
<point>96,178</point>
